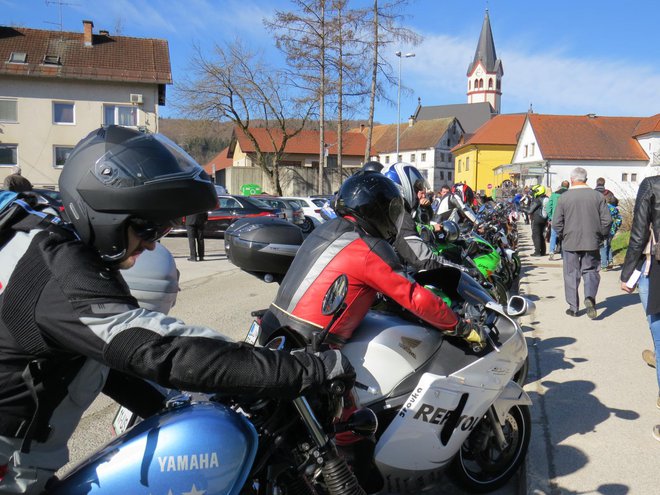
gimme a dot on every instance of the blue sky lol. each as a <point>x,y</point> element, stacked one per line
<point>562,56</point>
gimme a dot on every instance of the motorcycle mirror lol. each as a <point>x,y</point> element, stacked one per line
<point>451,231</point>
<point>334,298</point>
<point>519,306</point>
<point>362,422</point>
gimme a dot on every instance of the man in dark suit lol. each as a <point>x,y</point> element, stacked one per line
<point>195,231</point>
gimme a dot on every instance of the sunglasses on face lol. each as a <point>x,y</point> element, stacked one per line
<point>149,231</point>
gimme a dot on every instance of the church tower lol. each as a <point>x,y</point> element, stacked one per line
<point>485,73</point>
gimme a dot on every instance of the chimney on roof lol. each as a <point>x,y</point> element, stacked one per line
<point>104,32</point>
<point>411,121</point>
<point>361,127</point>
<point>87,33</point>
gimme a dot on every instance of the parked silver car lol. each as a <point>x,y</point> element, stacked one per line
<point>292,211</point>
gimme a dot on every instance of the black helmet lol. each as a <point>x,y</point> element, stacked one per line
<point>116,176</point>
<point>374,201</point>
<point>372,167</point>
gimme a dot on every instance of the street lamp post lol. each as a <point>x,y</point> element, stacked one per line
<point>398,104</point>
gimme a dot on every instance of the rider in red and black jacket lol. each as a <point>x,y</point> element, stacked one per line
<point>357,244</point>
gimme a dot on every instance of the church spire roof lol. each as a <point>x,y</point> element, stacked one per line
<point>485,50</point>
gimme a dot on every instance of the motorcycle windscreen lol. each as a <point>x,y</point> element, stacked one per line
<point>454,283</point>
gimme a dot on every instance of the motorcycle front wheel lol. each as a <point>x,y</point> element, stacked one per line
<point>481,465</point>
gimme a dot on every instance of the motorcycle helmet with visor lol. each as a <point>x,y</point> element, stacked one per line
<point>538,190</point>
<point>409,179</point>
<point>118,177</point>
<point>374,202</point>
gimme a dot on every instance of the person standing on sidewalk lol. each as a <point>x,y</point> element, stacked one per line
<point>645,264</point>
<point>606,258</point>
<point>581,219</point>
<point>552,204</point>
<point>538,218</point>
<point>195,232</point>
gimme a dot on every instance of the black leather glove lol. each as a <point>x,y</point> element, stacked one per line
<point>337,369</point>
<point>472,333</point>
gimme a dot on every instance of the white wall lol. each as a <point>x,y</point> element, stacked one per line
<point>527,138</point>
<point>36,135</point>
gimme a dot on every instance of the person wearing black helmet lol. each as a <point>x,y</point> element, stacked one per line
<point>68,322</point>
<point>370,210</point>
<point>372,166</point>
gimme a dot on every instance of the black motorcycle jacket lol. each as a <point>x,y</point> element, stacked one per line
<point>535,209</point>
<point>66,318</point>
<point>647,214</point>
<point>414,251</point>
<point>341,247</point>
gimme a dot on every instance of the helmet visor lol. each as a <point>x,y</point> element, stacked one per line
<point>143,159</point>
<point>149,231</point>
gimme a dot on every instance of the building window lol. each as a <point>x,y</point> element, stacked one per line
<point>531,149</point>
<point>387,159</point>
<point>125,115</point>
<point>442,175</point>
<point>17,58</point>
<point>499,84</point>
<point>449,176</point>
<point>412,158</point>
<point>399,158</point>
<point>624,177</point>
<point>467,164</point>
<point>459,166</point>
<point>525,151</point>
<point>490,83</point>
<point>423,157</point>
<point>8,154</point>
<point>9,111</point>
<point>633,177</point>
<point>60,154</point>
<point>63,113</point>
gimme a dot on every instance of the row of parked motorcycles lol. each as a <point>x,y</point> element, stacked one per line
<point>428,404</point>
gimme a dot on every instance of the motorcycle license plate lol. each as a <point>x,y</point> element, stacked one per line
<point>253,333</point>
<point>122,420</point>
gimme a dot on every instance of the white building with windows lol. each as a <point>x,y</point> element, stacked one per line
<point>622,150</point>
<point>56,87</point>
<point>426,144</point>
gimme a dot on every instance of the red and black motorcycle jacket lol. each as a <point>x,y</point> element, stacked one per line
<point>371,265</point>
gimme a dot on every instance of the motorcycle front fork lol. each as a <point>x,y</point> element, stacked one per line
<point>497,429</point>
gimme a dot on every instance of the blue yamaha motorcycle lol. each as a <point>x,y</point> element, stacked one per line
<point>231,445</point>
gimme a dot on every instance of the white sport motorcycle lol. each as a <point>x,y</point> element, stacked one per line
<point>441,404</point>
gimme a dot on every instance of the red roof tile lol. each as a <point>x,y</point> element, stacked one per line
<point>110,58</point>
<point>648,125</point>
<point>220,161</point>
<point>577,137</point>
<point>422,135</point>
<point>501,129</point>
<point>304,143</point>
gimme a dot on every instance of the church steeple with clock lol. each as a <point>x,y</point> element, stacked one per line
<point>484,75</point>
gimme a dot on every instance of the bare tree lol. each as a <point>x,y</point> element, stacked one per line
<point>303,37</point>
<point>238,86</point>
<point>385,29</point>
<point>347,63</point>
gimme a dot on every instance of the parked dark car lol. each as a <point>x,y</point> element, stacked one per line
<point>231,208</point>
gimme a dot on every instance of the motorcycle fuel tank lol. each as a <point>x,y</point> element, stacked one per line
<point>386,349</point>
<point>197,448</point>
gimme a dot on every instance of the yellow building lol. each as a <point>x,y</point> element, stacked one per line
<point>492,145</point>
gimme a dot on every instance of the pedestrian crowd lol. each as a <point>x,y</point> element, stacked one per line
<point>579,223</point>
